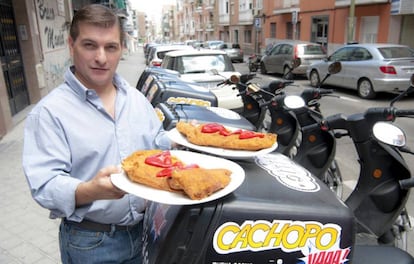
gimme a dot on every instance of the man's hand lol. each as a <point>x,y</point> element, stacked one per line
<point>99,187</point>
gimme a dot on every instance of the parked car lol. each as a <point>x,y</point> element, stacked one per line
<point>147,48</point>
<point>212,44</point>
<point>279,58</point>
<point>207,68</point>
<point>157,53</point>
<point>368,68</point>
<point>233,50</point>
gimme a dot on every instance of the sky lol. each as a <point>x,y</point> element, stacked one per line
<point>151,7</point>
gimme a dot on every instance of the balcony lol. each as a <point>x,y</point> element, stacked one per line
<point>209,27</point>
<point>288,6</point>
<point>340,3</point>
<point>246,17</point>
<point>224,20</point>
<point>290,3</point>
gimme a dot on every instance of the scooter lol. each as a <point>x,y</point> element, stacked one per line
<point>316,150</point>
<point>379,198</point>
<point>253,62</point>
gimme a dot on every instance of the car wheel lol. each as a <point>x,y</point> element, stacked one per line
<point>365,89</point>
<point>262,68</point>
<point>314,78</point>
<point>287,74</point>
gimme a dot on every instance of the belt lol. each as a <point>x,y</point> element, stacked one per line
<point>98,227</point>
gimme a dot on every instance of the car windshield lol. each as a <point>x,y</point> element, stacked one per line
<point>313,50</point>
<point>200,64</point>
<point>396,52</point>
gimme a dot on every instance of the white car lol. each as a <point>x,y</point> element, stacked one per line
<point>157,53</point>
<point>207,68</point>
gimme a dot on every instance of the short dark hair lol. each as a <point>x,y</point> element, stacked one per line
<point>97,15</point>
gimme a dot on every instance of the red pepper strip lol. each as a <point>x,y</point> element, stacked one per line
<point>225,132</point>
<point>162,159</point>
<point>250,134</point>
<point>167,172</point>
<point>212,128</point>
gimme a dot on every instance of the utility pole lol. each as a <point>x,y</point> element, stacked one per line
<point>351,22</point>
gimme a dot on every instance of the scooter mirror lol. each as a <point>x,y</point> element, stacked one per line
<point>296,63</point>
<point>234,79</point>
<point>214,71</point>
<point>335,67</point>
<point>389,134</point>
<point>294,101</point>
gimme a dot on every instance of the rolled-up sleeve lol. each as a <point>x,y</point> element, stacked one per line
<point>46,164</point>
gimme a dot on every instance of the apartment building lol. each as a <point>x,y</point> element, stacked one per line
<point>256,23</point>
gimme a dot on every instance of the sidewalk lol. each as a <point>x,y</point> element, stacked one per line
<point>27,235</point>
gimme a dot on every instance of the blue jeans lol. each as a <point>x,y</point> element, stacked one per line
<point>84,246</point>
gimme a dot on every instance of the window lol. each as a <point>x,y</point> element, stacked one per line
<point>394,52</point>
<point>289,30</point>
<point>273,30</point>
<point>342,54</point>
<point>259,4</point>
<point>247,36</point>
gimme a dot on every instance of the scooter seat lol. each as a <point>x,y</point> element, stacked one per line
<point>367,254</point>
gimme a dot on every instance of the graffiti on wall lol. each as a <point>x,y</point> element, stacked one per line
<point>53,32</point>
<point>55,69</point>
<point>53,27</point>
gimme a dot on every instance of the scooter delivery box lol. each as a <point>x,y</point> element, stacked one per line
<point>280,214</point>
<point>171,113</point>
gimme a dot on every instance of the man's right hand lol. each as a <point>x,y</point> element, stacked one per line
<point>100,187</point>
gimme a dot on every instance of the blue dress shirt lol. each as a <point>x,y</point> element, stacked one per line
<point>69,137</point>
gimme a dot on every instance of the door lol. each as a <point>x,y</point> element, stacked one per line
<point>11,60</point>
<point>319,32</point>
<point>276,58</point>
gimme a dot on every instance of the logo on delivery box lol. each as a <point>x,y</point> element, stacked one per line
<point>319,243</point>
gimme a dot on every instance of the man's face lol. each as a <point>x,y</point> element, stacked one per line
<point>96,53</point>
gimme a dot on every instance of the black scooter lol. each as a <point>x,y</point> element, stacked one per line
<point>253,62</point>
<point>379,198</point>
<point>315,150</point>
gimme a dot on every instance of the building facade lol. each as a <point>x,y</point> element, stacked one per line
<point>33,40</point>
<point>256,23</point>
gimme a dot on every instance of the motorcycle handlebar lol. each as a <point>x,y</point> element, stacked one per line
<point>372,115</point>
<point>315,93</point>
<point>404,112</point>
<point>407,183</point>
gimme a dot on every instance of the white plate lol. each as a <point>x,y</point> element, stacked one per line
<point>178,138</point>
<point>122,181</point>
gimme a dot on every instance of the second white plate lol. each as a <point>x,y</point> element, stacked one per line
<point>178,138</point>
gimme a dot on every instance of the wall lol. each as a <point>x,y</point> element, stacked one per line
<point>53,24</point>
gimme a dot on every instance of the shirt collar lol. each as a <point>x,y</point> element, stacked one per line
<point>82,91</point>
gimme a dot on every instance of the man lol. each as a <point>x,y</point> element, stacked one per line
<point>77,135</point>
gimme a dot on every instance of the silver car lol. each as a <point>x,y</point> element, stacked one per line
<point>279,58</point>
<point>368,68</point>
<point>233,50</point>
<point>208,68</point>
